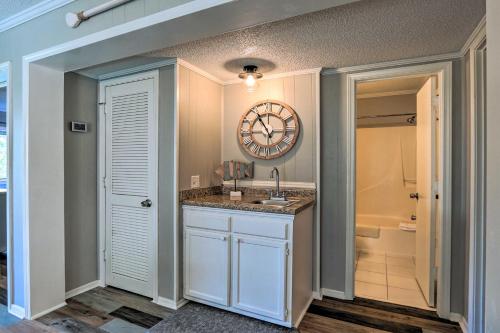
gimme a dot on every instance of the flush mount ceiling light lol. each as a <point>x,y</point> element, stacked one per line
<point>250,75</point>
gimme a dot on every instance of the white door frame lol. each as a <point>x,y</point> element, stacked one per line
<point>477,235</point>
<point>444,72</point>
<point>7,66</point>
<point>101,170</point>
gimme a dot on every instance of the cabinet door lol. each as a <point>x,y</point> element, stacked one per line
<point>259,276</point>
<point>206,266</point>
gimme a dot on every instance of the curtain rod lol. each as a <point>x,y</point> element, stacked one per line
<point>73,20</point>
<point>386,115</point>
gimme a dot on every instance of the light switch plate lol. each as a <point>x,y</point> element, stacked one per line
<point>195,181</point>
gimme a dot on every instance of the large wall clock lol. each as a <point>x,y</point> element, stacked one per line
<point>269,129</point>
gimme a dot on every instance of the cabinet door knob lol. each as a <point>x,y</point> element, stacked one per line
<point>223,238</point>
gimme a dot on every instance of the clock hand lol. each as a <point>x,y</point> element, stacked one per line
<point>263,125</point>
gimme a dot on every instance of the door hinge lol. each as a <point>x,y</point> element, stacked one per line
<point>286,312</point>
<point>287,251</point>
<point>105,254</point>
<point>105,182</point>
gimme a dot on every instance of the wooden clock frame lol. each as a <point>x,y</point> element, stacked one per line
<point>248,145</point>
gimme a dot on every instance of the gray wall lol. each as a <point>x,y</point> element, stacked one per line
<point>26,41</point>
<point>333,185</point>
<point>492,311</point>
<point>80,181</point>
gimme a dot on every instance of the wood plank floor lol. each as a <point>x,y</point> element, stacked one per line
<point>116,311</point>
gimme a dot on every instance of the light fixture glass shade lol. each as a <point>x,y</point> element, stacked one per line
<point>250,75</point>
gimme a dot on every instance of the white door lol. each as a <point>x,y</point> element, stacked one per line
<point>206,266</point>
<point>426,178</point>
<point>131,186</point>
<point>259,276</point>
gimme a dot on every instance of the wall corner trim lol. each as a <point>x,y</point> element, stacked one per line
<point>458,318</point>
<point>49,310</point>
<point>480,30</point>
<point>17,311</point>
<point>171,304</point>
<point>333,293</point>
<point>84,288</point>
<point>31,13</point>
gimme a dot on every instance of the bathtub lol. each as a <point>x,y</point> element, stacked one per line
<point>391,240</point>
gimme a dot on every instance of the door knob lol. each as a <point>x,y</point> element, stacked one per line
<point>414,195</point>
<point>146,203</point>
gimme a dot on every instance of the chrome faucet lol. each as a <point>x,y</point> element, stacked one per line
<point>277,195</point>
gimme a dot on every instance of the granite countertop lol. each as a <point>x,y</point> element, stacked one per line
<point>223,201</point>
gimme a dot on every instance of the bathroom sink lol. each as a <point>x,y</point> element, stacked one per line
<point>275,203</point>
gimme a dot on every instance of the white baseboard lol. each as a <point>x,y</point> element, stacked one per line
<point>303,313</point>
<point>84,288</point>
<point>44,312</point>
<point>168,303</point>
<point>333,293</point>
<point>458,318</point>
<point>317,295</point>
<point>17,311</point>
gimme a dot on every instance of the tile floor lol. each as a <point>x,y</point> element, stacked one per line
<point>386,278</point>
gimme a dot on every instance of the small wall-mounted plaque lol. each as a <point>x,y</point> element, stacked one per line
<point>77,126</point>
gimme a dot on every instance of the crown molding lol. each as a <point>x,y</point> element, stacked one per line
<point>395,63</point>
<point>198,70</point>
<point>32,12</point>
<point>129,71</point>
<point>479,32</point>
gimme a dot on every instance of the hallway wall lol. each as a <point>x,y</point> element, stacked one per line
<point>80,181</point>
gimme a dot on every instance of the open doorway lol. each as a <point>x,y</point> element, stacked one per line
<point>396,176</point>
<point>400,214</point>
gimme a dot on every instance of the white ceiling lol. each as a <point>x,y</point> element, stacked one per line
<point>363,32</point>
<point>11,7</point>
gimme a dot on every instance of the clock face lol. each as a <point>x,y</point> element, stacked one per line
<point>269,129</point>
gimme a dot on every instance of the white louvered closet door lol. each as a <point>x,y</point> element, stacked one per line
<point>131,186</point>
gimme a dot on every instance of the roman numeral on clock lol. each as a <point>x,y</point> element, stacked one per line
<point>256,148</point>
<point>247,141</point>
<point>287,139</point>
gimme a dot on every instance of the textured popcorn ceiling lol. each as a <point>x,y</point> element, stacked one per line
<point>363,32</point>
<point>11,7</point>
